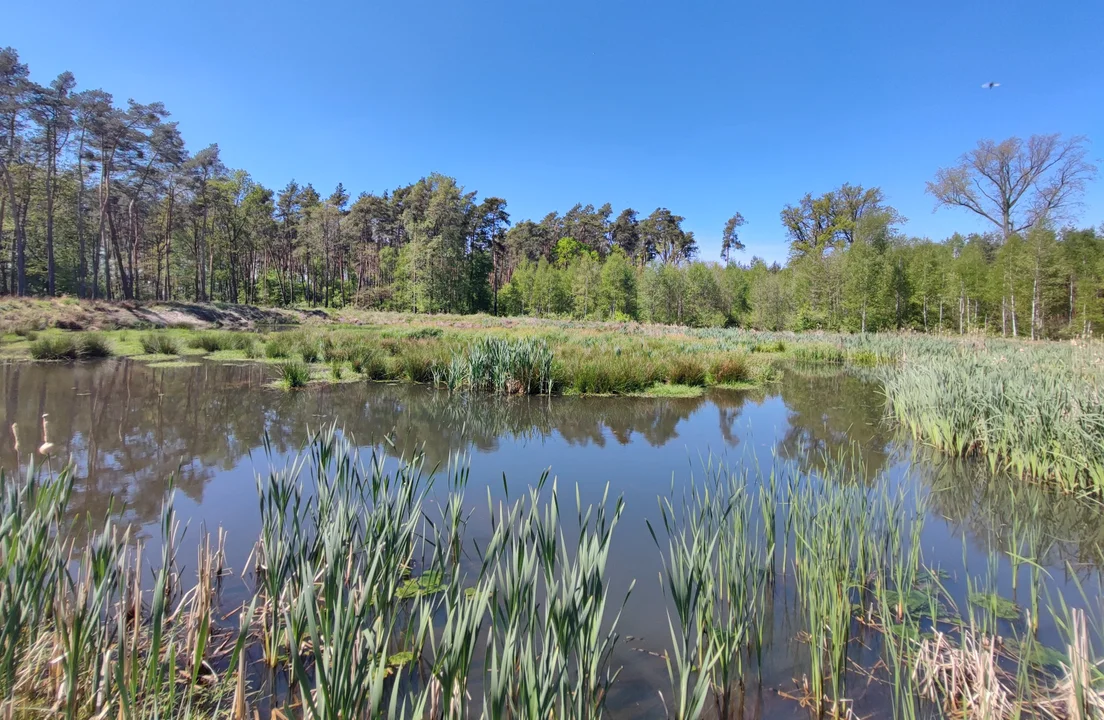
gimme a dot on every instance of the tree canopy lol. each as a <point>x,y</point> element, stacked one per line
<point>102,199</point>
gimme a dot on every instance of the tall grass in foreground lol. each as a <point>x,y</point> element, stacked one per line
<point>82,634</point>
<point>365,598</point>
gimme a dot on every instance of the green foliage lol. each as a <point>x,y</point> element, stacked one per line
<point>1047,424</point>
<point>370,363</point>
<point>310,351</point>
<point>511,367</point>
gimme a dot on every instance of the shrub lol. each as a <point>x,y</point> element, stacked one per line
<point>686,371</point>
<point>294,375</point>
<point>157,343</point>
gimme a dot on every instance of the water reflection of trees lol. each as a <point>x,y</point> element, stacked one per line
<point>833,414</point>
<point>1000,512</point>
<point>130,426</point>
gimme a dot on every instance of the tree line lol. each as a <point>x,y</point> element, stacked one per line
<point>101,200</point>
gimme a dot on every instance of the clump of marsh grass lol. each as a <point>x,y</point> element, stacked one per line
<point>369,363</point>
<point>160,343</point>
<point>818,353</point>
<point>294,375</point>
<point>278,347</point>
<point>85,346</point>
<point>719,582</point>
<point>310,351</point>
<point>510,367</point>
<point>731,368</point>
<point>1047,425</point>
<point>686,371</point>
<point>966,676</point>
<point>80,628</point>
<point>216,340</point>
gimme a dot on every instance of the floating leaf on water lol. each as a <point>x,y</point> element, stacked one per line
<point>426,584</point>
<point>914,603</point>
<point>996,605</point>
<point>403,657</point>
<point>1036,653</point>
<point>906,631</point>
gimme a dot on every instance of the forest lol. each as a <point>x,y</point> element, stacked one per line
<point>105,201</point>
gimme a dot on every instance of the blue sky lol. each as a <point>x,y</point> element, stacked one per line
<point>703,107</point>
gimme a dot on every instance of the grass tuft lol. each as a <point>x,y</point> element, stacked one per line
<point>159,343</point>
<point>294,375</point>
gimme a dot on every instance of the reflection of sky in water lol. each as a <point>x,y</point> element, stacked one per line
<point>129,427</point>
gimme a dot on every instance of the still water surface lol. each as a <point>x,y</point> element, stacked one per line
<point>130,427</point>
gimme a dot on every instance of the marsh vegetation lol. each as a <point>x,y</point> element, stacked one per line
<point>375,588</point>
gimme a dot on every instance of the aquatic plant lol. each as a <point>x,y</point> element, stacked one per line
<point>510,367</point>
<point>1045,424</point>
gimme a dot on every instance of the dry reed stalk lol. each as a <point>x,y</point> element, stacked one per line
<point>966,678</point>
<point>1074,697</point>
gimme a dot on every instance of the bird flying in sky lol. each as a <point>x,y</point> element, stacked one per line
<point>991,85</point>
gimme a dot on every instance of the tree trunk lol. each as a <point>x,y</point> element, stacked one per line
<point>82,260</point>
<point>51,171</point>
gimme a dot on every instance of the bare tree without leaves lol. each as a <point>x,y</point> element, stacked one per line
<point>1014,184</point>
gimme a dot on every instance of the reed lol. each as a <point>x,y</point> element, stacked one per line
<point>509,367</point>
<point>1041,424</point>
<point>365,597</point>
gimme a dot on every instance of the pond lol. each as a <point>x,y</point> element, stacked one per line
<point>129,428</point>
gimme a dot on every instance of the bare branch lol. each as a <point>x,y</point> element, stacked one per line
<point>1016,185</point>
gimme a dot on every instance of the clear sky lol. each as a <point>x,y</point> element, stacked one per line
<point>702,107</point>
